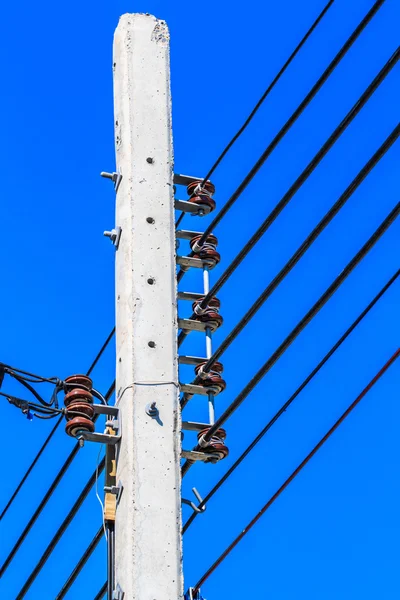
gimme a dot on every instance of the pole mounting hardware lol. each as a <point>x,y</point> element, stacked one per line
<point>116,490</point>
<point>192,504</point>
<point>114,235</point>
<point>118,594</point>
<point>115,178</point>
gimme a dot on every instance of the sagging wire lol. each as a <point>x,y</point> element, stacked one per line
<point>290,122</point>
<point>296,257</point>
<point>292,398</point>
<point>299,182</point>
<point>294,474</point>
<point>357,258</point>
<point>261,100</point>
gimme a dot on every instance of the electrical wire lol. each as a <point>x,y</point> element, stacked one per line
<point>82,562</point>
<point>61,530</point>
<point>296,472</point>
<point>261,100</point>
<point>47,496</point>
<point>340,129</point>
<point>317,86</point>
<point>295,258</point>
<point>299,327</point>
<point>102,592</point>
<point>285,406</point>
<point>52,432</point>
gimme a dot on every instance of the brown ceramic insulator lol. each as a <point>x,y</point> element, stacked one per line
<point>216,444</point>
<point>78,395</point>
<point>217,366</point>
<point>77,424</point>
<point>79,380</point>
<point>208,186</point>
<point>211,317</point>
<point>210,240</point>
<point>211,378</point>
<point>199,198</point>
<point>211,303</point>
<point>79,409</point>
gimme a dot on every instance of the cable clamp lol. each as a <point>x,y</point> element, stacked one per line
<point>116,490</point>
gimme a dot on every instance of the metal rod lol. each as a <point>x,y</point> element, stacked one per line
<point>211,402</point>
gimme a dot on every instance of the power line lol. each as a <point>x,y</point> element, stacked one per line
<point>101,593</point>
<point>296,471</point>
<point>46,497</point>
<point>295,258</point>
<point>285,406</point>
<point>300,326</point>
<point>261,100</point>
<point>299,182</point>
<point>317,86</point>
<point>61,530</point>
<point>53,431</point>
<point>82,562</point>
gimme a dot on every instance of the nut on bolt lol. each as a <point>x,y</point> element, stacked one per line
<point>152,410</point>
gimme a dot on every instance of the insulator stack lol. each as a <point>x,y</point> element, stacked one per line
<point>212,378</point>
<point>216,445</point>
<point>78,402</point>
<point>201,195</point>
<point>209,314</point>
<point>206,250</point>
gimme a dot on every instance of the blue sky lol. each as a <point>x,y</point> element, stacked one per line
<point>333,534</point>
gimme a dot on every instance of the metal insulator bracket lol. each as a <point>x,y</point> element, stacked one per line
<point>195,209</point>
<point>201,390</point>
<point>184,234</point>
<point>192,360</point>
<point>103,438</point>
<point>195,263</point>
<point>191,296</point>
<point>118,594</point>
<point>195,508</point>
<point>194,426</point>
<point>200,456</point>
<point>186,179</point>
<point>192,325</point>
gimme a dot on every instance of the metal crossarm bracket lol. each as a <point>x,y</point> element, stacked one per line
<point>194,426</point>
<point>199,456</point>
<point>185,179</point>
<point>192,504</point>
<point>201,390</point>
<point>191,207</point>
<point>192,360</point>
<point>195,263</point>
<point>184,234</point>
<point>191,296</point>
<point>103,438</point>
<point>192,325</point>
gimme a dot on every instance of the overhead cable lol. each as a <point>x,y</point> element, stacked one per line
<point>299,181</point>
<point>46,497</point>
<point>291,399</point>
<point>61,530</point>
<point>261,100</point>
<point>80,565</point>
<point>309,456</point>
<point>317,86</point>
<point>295,258</point>
<point>300,326</point>
<point>52,432</point>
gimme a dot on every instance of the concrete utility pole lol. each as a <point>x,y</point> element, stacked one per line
<point>148,519</point>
